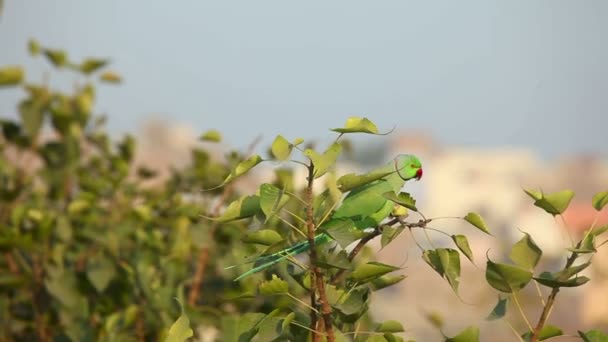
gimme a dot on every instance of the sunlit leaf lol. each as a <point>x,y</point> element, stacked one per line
<point>390,326</point>
<point>500,309</point>
<point>274,286</point>
<point>600,200</point>
<point>243,167</point>
<point>403,199</point>
<point>281,148</point>
<point>32,115</point>
<point>477,221</point>
<point>357,125</point>
<point>370,271</point>
<point>526,253</point>
<point>180,330</point>
<point>507,278</point>
<point>11,75</point>
<point>555,203</point>
<point>298,141</point>
<point>211,135</point>
<point>389,234</point>
<point>435,319</point>
<point>470,334</point>
<point>463,245</point>
<point>324,162</point>
<point>545,333</point>
<point>593,336</point>
<point>90,65</point>
<point>110,77</point>
<point>244,207</point>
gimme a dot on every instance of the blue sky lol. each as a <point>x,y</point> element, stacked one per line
<point>477,73</point>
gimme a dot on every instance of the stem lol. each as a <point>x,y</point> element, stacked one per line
<point>550,301</point>
<point>521,311</point>
<point>318,276</point>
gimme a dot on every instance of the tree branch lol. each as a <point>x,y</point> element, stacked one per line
<point>317,283</point>
<point>550,300</point>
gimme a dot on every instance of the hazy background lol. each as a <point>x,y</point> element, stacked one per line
<point>482,73</point>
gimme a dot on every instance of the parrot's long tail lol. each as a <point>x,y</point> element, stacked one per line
<point>267,261</point>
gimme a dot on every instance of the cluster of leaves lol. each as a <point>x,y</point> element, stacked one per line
<point>93,247</point>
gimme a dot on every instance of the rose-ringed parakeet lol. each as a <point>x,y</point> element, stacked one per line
<point>364,205</point>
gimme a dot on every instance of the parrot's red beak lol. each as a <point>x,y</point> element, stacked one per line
<point>419,174</point>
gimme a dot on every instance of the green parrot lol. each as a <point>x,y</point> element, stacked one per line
<point>364,205</point>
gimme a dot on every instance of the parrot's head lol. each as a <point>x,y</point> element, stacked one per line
<point>408,166</point>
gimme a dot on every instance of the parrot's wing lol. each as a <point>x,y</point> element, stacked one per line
<point>364,201</point>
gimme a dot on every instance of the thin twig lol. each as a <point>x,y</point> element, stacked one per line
<point>550,301</point>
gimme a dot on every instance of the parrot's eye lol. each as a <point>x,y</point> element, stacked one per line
<point>413,166</point>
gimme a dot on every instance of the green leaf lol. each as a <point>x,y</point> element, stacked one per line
<point>403,199</point>
<point>274,287</point>
<point>435,319</point>
<point>526,253</point>
<point>450,263</point>
<point>32,115</point>
<point>446,262</point>
<point>389,234</point>
<point>357,125</point>
<point>507,278</point>
<point>339,260</point>
<point>343,231</point>
<point>11,75</point>
<point>536,195</point>
<point>550,280</point>
<point>386,281</point>
<point>272,199</point>
<point>354,301</point>
<point>587,245</point>
<point>33,47</point>
<point>463,245</point>
<point>499,311</point>
<point>211,135</point>
<point>600,200</point>
<point>244,207</point>
<point>110,77</point>
<point>570,271</point>
<point>555,203</point>
<point>281,148</point>
<point>599,230</point>
<point>58,58</point>
<point>370,271</point>
<point>593,336</point>
<point>266,237</point>
<point>477,221</point>
<point>91,65</point>
<point>180,330</point>
<point>350,181</point>
<point>470,334</point>
<point>243,167</point>
<point>286,323</point>
<point>297,141</point>
<point>325,161</point>
<point>100,272</point>
<point>547,332</point>
<point>390,326</point>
